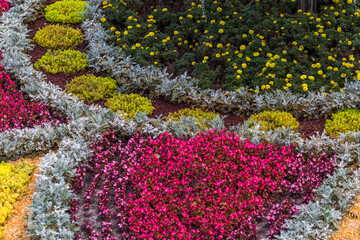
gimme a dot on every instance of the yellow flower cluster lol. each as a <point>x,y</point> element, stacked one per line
<point>13,182</point>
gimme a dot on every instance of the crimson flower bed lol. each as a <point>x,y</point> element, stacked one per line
<point>4,6</point>
<point>16,112</point>
<point>213,186</point>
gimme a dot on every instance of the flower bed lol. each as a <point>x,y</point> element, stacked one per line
<point>16,112</point>
<point>212,185</point>
<point>222,44</point>
<point>13,181</point>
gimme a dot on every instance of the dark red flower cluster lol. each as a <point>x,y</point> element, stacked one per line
<point>16,112</point>
<point>213,186</point>
<point>4,6</point>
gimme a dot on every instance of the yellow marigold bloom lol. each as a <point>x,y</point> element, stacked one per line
<point>138,45</point>
<point>336,69</point>
<point>339,29</point>
<point>152,53</point>
<point>222,22</point>
<point>323,35</point>
<point>112,29</point>
<point>193,63</point>
<point>284,52</point>
<point>239,71</point>
<point>303,77</point>
<point>283,60</point>
<point>104,2</point>
<point>176,32</point>
<point>189,16</point>
<point>343,11</point>
<point>251,32</point>
<point>126,32</point>
<point>133,47</point>
<point>316,33</point>
<point>349,43</point>
<point>181,18</point>
<point>244,65</point>
<point>219,45</point>
<point>336,13</point>
<point>221,30</point>
<point>320,72</point>
<point>255,54</point>
<point>267,86</point>
<point>272,65</point>
<point>294,43</point>
<point>343,75</point>
<point>218,55</point>
<point>212,21</point>
<point>238,76</point>
<point>288,85</point>
<point>269,55</point>
<point>155,63</point>
<point>244,35</point>
<point>103,19</point>
<point>288,75</point>
<point>242,47</point>
<point>219,9</point>
<point>318,19</point>
<point>248,59</point>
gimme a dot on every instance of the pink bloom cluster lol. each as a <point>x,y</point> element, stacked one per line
<point>4,6</point>
<point>16,112</point>
<point>213,186</point>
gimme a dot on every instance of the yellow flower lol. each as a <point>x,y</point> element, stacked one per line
<point>318,19</point>
<point>238,76</point>
<point>320,72</point>
<point>193,63</point>
<point>316,33</point>
<point>284,52</point>
<point>323,35</point>
<point>272,65</point>
<point>239,71</point>
<point>152,53</point>
<point>222,22</point>
<point>343,75</point>
<point>343,11</point>
<point>349,43</point>
<point>103,19</point>
<point>288,85</point>
<point>288,75</point>
<point>218,55</point>
<point>244,65</point>
<point>244,35</point>
<point>189,16</point>
<point>248,59</point>
<point>126,32</point>
<point>336,69</point>
<point>219,9</point>
<point>221,30</point>
<point>112,29</point>
<point>155,63</point>
<point>305,87</point>
<point>255,54</point>
<point>242,47</point>
<point>303,77</point>
<point>311,78</point>
<point>138,45</point>
<point>176,32</point>
<point>181,18</point>
<point>251,32</point>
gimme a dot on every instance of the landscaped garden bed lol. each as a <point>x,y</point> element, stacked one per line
<point>120,171</point>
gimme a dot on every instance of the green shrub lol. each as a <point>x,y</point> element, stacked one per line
<point>58,37</point>
<point>66,11</point>
<point>275,119</point>
<point>194,112</point>
<point>67,61</point>
<point>130,104</point>
<point>343,121</point>
<point>91,88</point>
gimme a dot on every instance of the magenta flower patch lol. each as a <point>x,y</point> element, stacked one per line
<point>214,186</point>
<point>16,112</point>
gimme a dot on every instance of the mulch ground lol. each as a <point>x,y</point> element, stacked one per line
<point>162,106</point>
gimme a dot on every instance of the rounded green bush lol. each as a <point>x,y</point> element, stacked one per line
<point>275,119</point>
<point>67,61</point>
<point>58,37</point>
<point>130,104</point>
<point>91,88</point>
<point>66,11</point>
<point>192,112</point>
<point>342,122</point>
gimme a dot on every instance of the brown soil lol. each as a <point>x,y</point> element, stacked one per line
<point>15,225</point>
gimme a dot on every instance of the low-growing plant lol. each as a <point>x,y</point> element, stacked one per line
<point>65,11</point>
<point>213,185</point>
<point>66,61</point>
<point>91,88</point>
<point>58,37</point>
<point>271,120</point>
<point>13,184</point>
<point>130,104</point>
<point>192,112</point>
<point>16,112</point>
<point>4,6</point>
<point>342,122</point>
